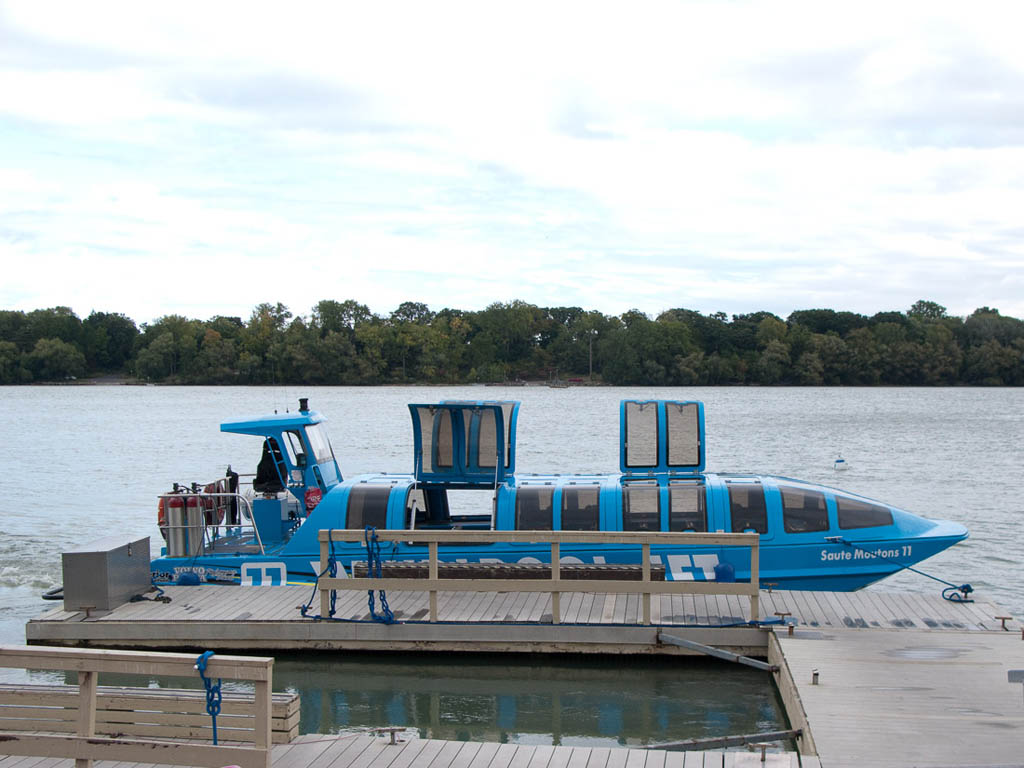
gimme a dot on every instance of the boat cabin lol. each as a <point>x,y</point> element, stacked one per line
<point>296,467</point>
<point>662,486</point>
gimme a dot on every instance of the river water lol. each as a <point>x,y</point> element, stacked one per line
<point>90,460</point>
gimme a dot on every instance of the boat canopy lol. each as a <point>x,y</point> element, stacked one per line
<point>272,424</point>
<point>661,437</point>
<point>463,443</point>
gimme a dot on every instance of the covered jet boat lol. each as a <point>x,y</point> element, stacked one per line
<point>811,536</point>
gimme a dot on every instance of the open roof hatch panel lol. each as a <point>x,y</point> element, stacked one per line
<point>661,437</point>
<point>470,444</point>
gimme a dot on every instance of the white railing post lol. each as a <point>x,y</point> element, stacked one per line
<point>645,570</point>
<point>86,710</point>
<point>755,580</point>
<point>325,594</point>
<point>432,575</point>
<point>556,577</point>
<point>262,713</point>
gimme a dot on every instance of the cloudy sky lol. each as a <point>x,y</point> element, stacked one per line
<point>202,157</point>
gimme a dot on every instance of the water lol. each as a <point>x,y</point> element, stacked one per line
<point>90,460</point>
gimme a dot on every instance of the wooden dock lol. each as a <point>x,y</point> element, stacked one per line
<point>923,698</point>
<point>902,679</point>
<point>268,618</point>
<point>368,751</point>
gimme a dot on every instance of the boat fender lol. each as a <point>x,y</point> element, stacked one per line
<point>212,510</point>
<point>725,573</point>
<point>188,579</point>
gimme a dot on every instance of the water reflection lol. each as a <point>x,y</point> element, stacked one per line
<point>578,701</point>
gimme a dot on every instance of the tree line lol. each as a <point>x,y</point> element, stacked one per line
<point>344,343</point>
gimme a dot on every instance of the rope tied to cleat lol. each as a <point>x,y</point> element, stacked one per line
<point>953,592</point>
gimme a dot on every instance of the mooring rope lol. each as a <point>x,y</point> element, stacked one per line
<point>954,593</point>
<point>213,695</point>
<point>331,570</point>
<point>374,571</point>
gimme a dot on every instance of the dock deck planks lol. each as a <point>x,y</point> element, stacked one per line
<point>210,616</point>
<point>935,697</point>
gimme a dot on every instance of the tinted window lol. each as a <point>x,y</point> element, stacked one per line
<point>687,510</point>
<point>368,505</point>
<point>803,510</point>
<point>580,510</point>
<point>746,505</point>
<point>854,513</point>
<point>683,434</point>
<point>318,440</point>
<point>641,434</point>
<point>444,440</point>
<point>641,507</point>
<point>293,444</point>
<point>534,508</point>
<point>487,440</point>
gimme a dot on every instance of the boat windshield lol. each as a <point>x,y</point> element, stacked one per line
<point>318,441</point>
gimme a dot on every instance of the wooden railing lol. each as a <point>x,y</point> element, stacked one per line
<point>85,746</point>
<point>554,584</point>
<point>150,713</point>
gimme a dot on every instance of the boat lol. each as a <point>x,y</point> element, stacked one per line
<point>263,528</point>
<point>840,464</point>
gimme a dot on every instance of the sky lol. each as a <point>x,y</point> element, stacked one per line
<point>198,158</point>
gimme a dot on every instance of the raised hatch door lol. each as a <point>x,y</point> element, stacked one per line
<point>661,436</point>
<point>464,443</point>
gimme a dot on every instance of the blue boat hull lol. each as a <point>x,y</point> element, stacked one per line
<point>822,565</point>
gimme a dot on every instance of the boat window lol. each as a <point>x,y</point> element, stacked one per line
<point>487,439</point>
<point>293,444</point>
<point>683,434</point>
<point>803,510</point>
<point>687,507</point>
<point>581,508</point>
<point>854,513</point>
<point>534,508</point>
<point>318,441</point>
<point>641,434</point>
<point>506,412</point>
<point>746,506</point>
<point>641,507</point>
<point>368,505</point>
<point>444,448</point>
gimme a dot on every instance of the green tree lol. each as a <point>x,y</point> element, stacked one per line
<point>12,368</point>
<point>54,323</point>
<point>158,360</point>
<point>217,359</point>
<point>928,310</point>
<point>108,339</point>
<point>773,363</point>
<point>809,369</point>
<point>56,360</point>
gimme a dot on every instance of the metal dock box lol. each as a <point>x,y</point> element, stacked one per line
<point>105,573</point>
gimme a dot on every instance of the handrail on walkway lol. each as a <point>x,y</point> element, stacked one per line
<point>85,746</point>
<point>555,584</point>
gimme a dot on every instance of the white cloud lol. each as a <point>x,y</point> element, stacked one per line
<point>720,156</point>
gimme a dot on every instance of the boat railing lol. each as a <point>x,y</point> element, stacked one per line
<point>554,584</point>
<point>84,745</point>
<point>194,534</point>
